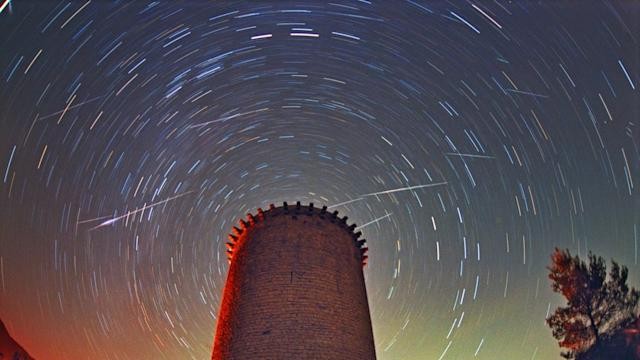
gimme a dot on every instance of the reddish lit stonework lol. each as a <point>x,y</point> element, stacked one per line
<point>295,289</point>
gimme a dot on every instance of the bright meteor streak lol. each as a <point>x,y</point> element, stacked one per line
<point>94,219</point>
<point>373,221</point>
<point>345,202</point>
<point>115,219</point>
<point>389,191</point>
<point>406,188</point>
<point>526,93</point>
<point>4,4</point>
<point>471,155</point>
<point>70,107</point>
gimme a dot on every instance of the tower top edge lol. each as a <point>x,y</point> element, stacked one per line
<point>295,211</point>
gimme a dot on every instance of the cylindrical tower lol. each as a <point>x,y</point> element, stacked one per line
<point>295,288</point>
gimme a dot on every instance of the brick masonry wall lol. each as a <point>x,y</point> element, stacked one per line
<point>295,290</point>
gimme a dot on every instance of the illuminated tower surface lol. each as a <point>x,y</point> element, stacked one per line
<point>295,288</point>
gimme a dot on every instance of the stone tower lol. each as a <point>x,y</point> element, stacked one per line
<point>295,288</point>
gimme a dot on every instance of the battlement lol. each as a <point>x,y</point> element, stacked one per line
<point>294,212</point>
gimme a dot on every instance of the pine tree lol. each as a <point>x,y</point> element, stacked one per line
<point>597,305</point>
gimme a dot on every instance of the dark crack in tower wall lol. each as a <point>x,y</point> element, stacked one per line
<point>295,288</point>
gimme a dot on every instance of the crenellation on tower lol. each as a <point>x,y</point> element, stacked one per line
<point>298,210</point>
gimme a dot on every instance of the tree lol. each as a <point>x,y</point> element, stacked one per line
<point>623,344</point>
<point>597,306</point>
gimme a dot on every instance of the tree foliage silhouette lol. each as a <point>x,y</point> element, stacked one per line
<point>597,306</point>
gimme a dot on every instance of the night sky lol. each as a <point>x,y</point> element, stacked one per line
<point>467,138</point>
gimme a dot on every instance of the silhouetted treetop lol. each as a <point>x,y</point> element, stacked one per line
<point>597,307</point>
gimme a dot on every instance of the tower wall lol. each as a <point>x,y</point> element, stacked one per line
<point>295,289</point>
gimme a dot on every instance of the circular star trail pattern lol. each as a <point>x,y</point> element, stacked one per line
<point>468,139</point>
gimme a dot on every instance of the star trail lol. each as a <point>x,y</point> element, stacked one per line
<point>467,139</point>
